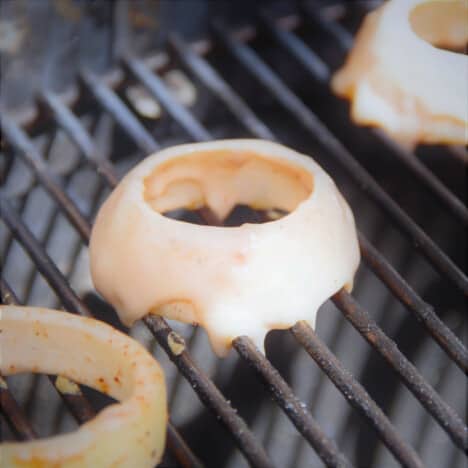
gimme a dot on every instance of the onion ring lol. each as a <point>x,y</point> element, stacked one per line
<point>233,281</point>
<point>398,80</point>
<point>127,434</point>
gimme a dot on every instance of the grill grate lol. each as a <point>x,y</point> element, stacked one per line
<point>104,93</point>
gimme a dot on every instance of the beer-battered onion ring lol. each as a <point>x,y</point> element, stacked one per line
<point>127,434</point>
<point>398,79</point>
<point>233,281</point>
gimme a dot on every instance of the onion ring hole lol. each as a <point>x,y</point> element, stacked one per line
<point>237,187</point>
<point>451,18</point>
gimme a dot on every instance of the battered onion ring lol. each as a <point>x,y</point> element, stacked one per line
<point>399,81</point>
<point>232,280</point>
<point>127,434</point>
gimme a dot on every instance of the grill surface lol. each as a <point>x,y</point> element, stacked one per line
<point>267,80</point>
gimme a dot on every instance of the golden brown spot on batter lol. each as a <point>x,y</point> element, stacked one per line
<point>118,376</point>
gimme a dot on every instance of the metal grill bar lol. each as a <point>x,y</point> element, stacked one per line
<point>21,143</point>
<point>435,186</point>
<point>50,223</point>
<point>310,60</point>
<point>42,261</point>
<point>109,100</point>
<point>213,81</point>
<point>373,334</point>
<point>78,135</point>
<point>208,392</point>
<point>355,393</point>
<point>422,310</point>
<point>295,409</point>
<point>159,90</point>
<point>270,80</point>
<point>342,35</point>
<point>76,402</point>
<point>14,414</point>
<point>344,38</point>
<point>78,405</point>
<point>180,449</point>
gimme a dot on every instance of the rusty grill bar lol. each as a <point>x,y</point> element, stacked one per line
<point>14,414</point>
<point>109,101</point>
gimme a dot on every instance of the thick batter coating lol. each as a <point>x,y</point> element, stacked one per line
<point>233,281</point>
<point>399,79</point>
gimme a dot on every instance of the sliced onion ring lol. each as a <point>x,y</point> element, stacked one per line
<point>127,434</point>
<point>233,281</point>
<point>397,80</point>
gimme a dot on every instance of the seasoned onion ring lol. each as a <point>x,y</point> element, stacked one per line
<point>232,280</point>
<point>127,434</point>
<point>398,80</point>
